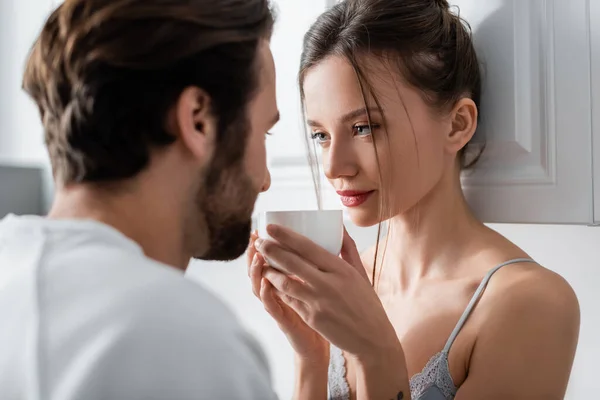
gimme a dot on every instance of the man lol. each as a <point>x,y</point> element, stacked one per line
<point>155,114</point>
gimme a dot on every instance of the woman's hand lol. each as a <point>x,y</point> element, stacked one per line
<point>333,295</point>
<point>310,347</point>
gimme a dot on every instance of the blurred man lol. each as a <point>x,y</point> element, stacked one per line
<point>155,114</point>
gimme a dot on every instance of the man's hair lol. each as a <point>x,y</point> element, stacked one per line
<point>105,73</point>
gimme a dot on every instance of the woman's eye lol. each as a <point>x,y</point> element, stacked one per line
<point>363,130</point>
<point>319,137</point>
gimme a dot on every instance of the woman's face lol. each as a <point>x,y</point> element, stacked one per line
<point>413,154</point>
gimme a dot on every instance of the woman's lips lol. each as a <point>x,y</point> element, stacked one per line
<point>354,198</point>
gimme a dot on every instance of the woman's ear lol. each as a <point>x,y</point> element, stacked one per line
<point>464,123</point>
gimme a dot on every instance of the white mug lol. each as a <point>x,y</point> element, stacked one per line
<point>324,227</point>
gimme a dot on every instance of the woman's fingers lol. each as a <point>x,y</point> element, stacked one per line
<point>255,273</point>
<point>291,305</point>
<point>287,261</point>
<point>302,246</point>
<point>269,300</point>
<point>288,285</point>
<point>279,305</point>
<point>251,250</point>
<point>261,274</point>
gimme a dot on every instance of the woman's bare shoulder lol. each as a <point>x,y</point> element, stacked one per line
<point>529,288</point>
<point>529,319</point>
<point>524,281</point>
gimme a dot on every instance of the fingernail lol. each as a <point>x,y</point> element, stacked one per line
<point>255,259</point>
<point>258,243</point>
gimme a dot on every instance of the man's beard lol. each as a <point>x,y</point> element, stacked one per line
<point>228,211</point>
<point>227,200</point>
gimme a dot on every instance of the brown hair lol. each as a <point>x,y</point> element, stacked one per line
<point>105,73</point>
<point>431,46</point>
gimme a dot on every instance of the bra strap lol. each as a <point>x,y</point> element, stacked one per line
<point>475,298</point>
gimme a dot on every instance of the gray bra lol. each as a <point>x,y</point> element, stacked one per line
<point>435,381</point>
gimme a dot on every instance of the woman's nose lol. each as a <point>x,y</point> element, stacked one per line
<point>339,161</point>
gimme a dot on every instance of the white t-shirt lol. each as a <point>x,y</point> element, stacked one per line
<point>85,315</point>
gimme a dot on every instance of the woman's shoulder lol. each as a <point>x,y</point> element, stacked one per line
<point>526,290</point>
<point>528,318</point>
<point>524,284</point>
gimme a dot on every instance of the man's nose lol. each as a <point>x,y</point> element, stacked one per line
<point>267,182</point>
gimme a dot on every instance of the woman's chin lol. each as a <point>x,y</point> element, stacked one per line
<point>362,218</point>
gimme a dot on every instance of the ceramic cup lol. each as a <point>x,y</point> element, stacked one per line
<point>324,227</point>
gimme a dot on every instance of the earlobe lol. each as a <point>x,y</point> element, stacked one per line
<point>464,124</point>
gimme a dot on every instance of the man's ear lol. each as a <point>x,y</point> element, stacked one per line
<point>196,127</point>
<point>464,123</point>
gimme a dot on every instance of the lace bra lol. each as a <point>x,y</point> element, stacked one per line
<point>434,382</point>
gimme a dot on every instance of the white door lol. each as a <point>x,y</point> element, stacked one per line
<point>536,111</point>
<point>595,52</point>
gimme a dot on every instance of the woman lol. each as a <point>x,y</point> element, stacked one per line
<point>443,307</point>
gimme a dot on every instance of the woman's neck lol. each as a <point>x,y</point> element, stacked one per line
<point>433,235</point>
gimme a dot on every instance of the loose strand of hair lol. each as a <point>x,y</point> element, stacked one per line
<point>362,80</point>
<point>313,161</point>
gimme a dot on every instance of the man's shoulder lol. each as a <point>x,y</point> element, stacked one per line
<point>109,282</point>
<point>148,293</point>
<point>169,332</point>
<point>180,335</point>
<point>168,297</point>
<point>140,328</point>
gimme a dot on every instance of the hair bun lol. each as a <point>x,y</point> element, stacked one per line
<point>442,3</point>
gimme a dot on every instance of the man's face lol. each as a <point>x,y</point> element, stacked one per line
<point>228,195</point>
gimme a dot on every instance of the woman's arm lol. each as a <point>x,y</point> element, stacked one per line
<point>383,375</point>
<point>526,345</point>
<point>311,379</point>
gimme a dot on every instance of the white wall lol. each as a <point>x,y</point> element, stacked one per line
<point>21,135</point>
<point>571,251</point>
<point>21,138</point>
